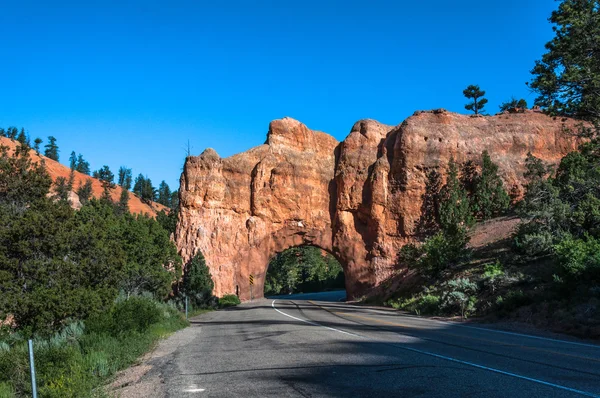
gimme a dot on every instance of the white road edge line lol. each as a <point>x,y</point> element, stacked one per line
<point>477,327</point>
<point>313,323</point>
<point>494,370</point>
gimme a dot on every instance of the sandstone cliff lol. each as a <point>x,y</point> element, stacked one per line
<point>56,169</point>
<point>359,199</point>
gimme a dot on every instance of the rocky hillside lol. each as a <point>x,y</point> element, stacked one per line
<point>56,169</point>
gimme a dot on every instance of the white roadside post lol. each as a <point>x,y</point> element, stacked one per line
<point>32,368</point>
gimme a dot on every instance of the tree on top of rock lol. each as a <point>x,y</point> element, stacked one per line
<point>475,94</point>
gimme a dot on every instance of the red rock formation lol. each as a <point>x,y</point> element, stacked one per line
<point>359,199</point>
<point>56,169</point>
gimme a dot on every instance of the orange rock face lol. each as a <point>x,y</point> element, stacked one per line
<point>359,199</point>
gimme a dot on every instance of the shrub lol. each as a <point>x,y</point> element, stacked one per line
<point>134,314</point>
<point>492,274</point>
<point>459,296</point>
<point>579,258</point>
<point>229,300</point>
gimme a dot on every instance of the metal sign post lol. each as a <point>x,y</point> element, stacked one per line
<point>186,307</point>
<point>32,368</point>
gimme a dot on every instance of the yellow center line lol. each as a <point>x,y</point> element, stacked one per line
<point>453,334</point>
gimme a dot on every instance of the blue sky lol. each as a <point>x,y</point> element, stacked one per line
<point>129,83</point>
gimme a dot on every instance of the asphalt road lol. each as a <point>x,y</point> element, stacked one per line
<point>304,346</point>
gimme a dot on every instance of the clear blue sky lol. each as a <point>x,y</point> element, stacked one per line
<point>128,83</point>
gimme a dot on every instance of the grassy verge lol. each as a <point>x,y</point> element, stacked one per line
<point>77,361</point>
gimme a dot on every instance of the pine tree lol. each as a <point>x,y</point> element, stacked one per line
<point>164,194</point>
<point>123,204</point>
<point>174,199</point>
<point>36,145</point>
<point>105,175</point>
<point>125,177</point>
<point>197,282</point>
<point>73,161</point>
<point>519,105</point>
<point>22,138</point>
<point>85,191</point>
<point>51,151</point>
<point>429,222</point>
<point>567,78</point>
<point>12,133</point>
<point>474,93</point>
<point>468,177</point>
<point>490,197</point>
<point>82,165</point>
<point>455,212</point>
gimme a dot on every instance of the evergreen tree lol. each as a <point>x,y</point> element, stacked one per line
<point>22,138</point>
<point>455,213</point>
<point>85,191</point>
<point>125,177</point>
<point>519,105</point>
<point>51,151</point>
<point>73,161</point>
<point>12,132</point>
<point>197,282</point>
<point>429,222</point>
<point>175,199</point>
<point>2,132</point>
<point>168,220</point>
<point>567,78</point>
<point>123,204</point>
<point>36,145</point>
<point>105,175</point>
<point>490,197</point>
<point>469,176</point>
<point>144,189</point>
<point>164,194</point>
<point>82,166</point>
<point>475,94</point>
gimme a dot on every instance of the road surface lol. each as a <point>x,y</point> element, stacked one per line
<point>304,346</point>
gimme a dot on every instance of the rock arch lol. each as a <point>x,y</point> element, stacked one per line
<point>359,199</point>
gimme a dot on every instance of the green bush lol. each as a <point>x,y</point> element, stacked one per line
<point>493,274</point>
<point>459,296</point>
<point>579,258</point>
<point>229,300</point>
<point>197,282</point>
<point>135,314</point>
<point>78,359</point>
<point>437,253</point>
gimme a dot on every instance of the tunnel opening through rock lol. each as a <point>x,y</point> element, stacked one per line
<point>303,269</point>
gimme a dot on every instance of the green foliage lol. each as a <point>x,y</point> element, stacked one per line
<point>493,274</point>
<point>455,212</point>
<point>579,259</point>
<point>85,192</point>
<point>125,178</point>
<point>36,145</point>
<point>436,254</point>
<point>58,264</point>
<point>164,194</point>
<point>518,105</point>
<point>82,165</point>
<point>229,300</point>
<point>567,78</point>
<point>489,197</point>
<point>144,189</point>
<point>459,296</point>
<point>475,94</point>
<point>51,149</point>
<point>197,282</point>
<point>303,269</point>
<point>105,175</point>
<point>168,220</point>
<point>78,359</point>
<point>429,222</point>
